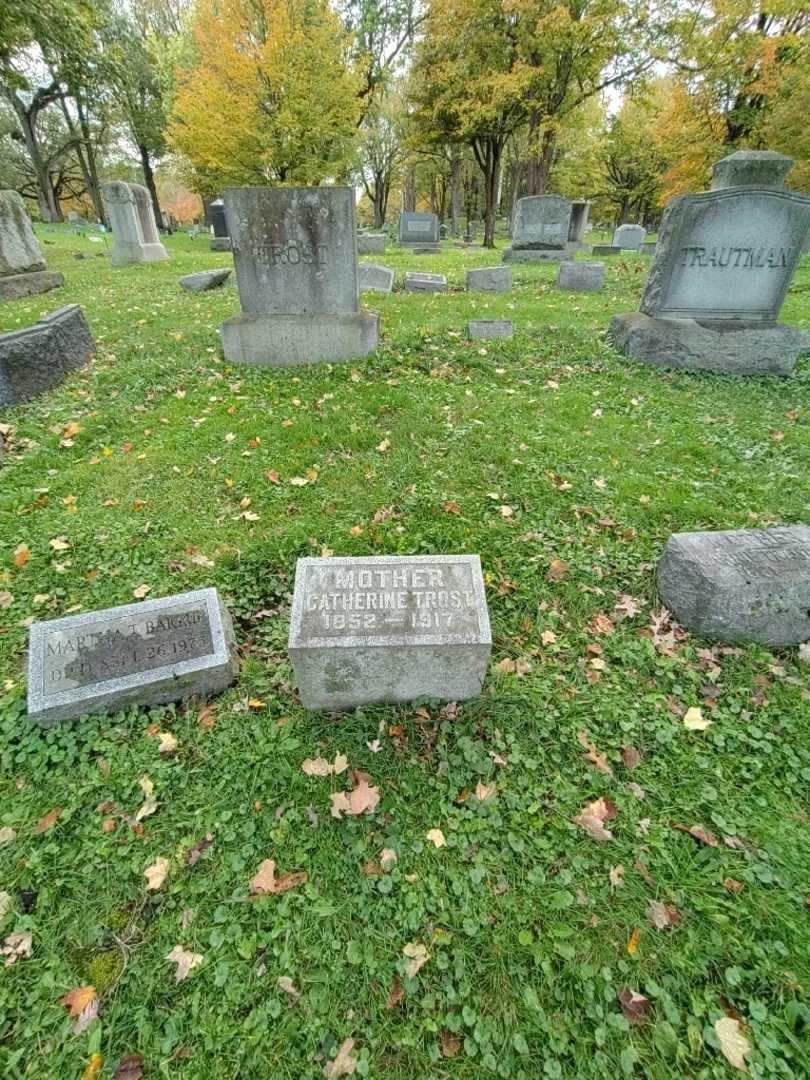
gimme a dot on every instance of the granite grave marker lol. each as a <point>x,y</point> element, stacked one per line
<point>23,271</point>
<point>581,276</point>
<point>375,278</point>
<point>490,279</point>
<point>135,233</point>
<point>39,357</point>
<point>490,329</point>
<point>419,231</point>
<point>419,282</point>
<point>388,628</point>
<point>629,237</point>
<point>221,240</point>
<point>540,230</point>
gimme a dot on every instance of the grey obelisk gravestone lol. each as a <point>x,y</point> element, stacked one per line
<point>722,266</point>
<point>388,628</point>
<point>540,230</point>
<point>135,234</point>
<point>23,271</point>
<point>296,268</point>
<point>138,654</point>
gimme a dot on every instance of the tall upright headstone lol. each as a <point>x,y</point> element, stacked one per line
<point>419,231</point>
<point>629,237</point>
<point>722,267</point>
<point>580,209</point>
<point>296,267</point>
<point>23,271</point>
<point>221,240</point>
<point>132,218</point>
<point>540,230</point>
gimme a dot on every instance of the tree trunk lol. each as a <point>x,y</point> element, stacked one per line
<point>149,177</point>
<point>93,183</point>
<point>488,154</point>
<point>409,190</point>
<point>538,167</point>
<point>455,191</point>
<point>48,205</point>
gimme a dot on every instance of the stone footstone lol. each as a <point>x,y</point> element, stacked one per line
<point>418,282</point>
<point>741,585</point>
<point>606,249</point>
<point>375,278</point>
<point>388,629</point>
<point>18,285</point>
<point>581,276</point>
<point>220,243</point>
<point>686,345</point>
<point>490,329</point>
<point>490,279</point>
<point>532,255</point>
<point>39,357</point>
<point>292,340</point>
<point>422,249</point>
<point>148,653</point>
<point>204,280</point>
<point>370,244</point>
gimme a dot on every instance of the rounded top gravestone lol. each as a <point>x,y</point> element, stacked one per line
<point>20,252</point>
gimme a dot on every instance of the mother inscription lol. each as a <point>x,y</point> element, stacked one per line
<point>389,628</point>
<point>145,654</point>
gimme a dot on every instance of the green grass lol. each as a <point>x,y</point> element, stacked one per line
<point>600,460</point>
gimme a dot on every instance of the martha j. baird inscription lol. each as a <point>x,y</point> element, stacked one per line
<point>144,654</point>
<point>389,628</point>
<point>740,585</point>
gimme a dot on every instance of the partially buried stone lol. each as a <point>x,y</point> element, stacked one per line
<point>389,628</point>
<point>490,329</point>
<point>39,357</point>
<point>606,249</point>
<point>581,276</point>
<point>204,280</point>
<point>490,279</point>
<point>418,282</point>
<point>740,585</point>
<point>371,244</point>
<point>375,278</point>
<point>139,654</point>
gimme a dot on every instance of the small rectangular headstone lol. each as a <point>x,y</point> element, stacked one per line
<point>416,228</point>
<point>389,628</point>
<point>375,278</point>
<point>606,249</point>
<point>418,282</point>
<point>581,276</point>
<point>490,329</point>
<point>371,244</point>
<point>148,653</point>
<point>490,279</point>
<point>629,237</point>
<point>740,585</point>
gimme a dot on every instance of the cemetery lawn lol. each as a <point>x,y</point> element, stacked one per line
<point>566,468</point>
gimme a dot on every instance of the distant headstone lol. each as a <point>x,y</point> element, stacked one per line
<point>629,237</point>
<point>540,230</point>
<point>751,168</point>
<point>420,229</point>
<point>221,240</point>
<point>371,244</point>
<point>418,282</point>
<point>204,280</point>
<point>741,585</point>
<point>132,218</point>
<point>490,329</point>
<point>581,276</point>
<point>490,279</point>
<point>723,264</point>
<point>606,249</point>
<point>580,209</point>
<point>375,278</point>
<point>139,654</point>
<point>388,628</point>
<point>296,268</point>
<point>23,270</point>
<point>39,357</point>
<point>648,247</point>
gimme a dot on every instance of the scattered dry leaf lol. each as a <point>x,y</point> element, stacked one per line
<point>343,1063</point>
<point>129,1068</point>
<point>168,742</point>
<point>82,1003</point>
<point>663,916</point>
<point>635,1006</point>
<point>362,799</point>
<point>632,944</point>
<point>631,757</point>
<point>594,816</point>
<point>557,570</point>
<point>599,761</point>
<point>396,993</point>
<point>140,591</point>
<point>694,719</point>
<point>436,837</point>
<point>7,834</point>
<point>417,955</point>
<point>156,874</point>
<point>484,791</point>
<point>186,961</point>
<point>699,833</point>
<point>16,946</point>
<point>285,983</point>
<point>733,1044</point>
<point>265,883</point>
<point>47,822</point>
<point>451,1044</point>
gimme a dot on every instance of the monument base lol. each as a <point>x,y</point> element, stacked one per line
<point>37,281</point>
<point>686,345</point>
<point>421,249</point>
<point>220,243</point>
<point>606,249</point>
<point>290,340</point>
<point>126,254</point>
<point>528,255</point>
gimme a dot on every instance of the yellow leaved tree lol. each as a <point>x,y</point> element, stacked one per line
<point>267,95</point>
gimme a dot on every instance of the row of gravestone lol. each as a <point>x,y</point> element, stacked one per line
<point>390,628</point>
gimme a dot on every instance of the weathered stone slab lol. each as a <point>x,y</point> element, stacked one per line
<point>20,252</point>
<point>143,654</point>
<point>132,219</point>
<point>606,249</point>
<point>629,237</point>
<point>418,282</point>
<point>689,346</point>
<point>490,279</point>
<point>535,255</point>
<point>581,276</point>
<point>389,628</point>
<point>541,222</point>
<point>371,244</point>
<point>204,280</point>
<point>741,585</point>
<point>16,286</point>
<point>375,278</point>
<point>292,340</point>
<point>38,358</point>
<point>490,329</point>
<point>727,255</point>
<point>415,228</point>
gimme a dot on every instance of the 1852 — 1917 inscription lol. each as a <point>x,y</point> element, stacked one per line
<point>740,585</point>
<point>389,628</point>
<point>146,654</point>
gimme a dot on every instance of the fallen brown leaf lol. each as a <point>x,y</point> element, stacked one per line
<point>733,1044</point>
<point>285,983</point>
<point>156,874</point>
<point>362,799</point>
<point>663,916</point>
<point>186,961</point>
<point>265,883</point>
<point>343,1063</point>
<point>451,1044</point>
<point>593,817</point>
<point>396,993</point>
<point>196,852</point>
<point>635,1007</point>
<point>599,761</point>
<point>417,955</point>
<point>699,833</point>
<point>47,822</point>
<point>129,1068</point>
<point>557,570</point>
<point>631,757</point>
